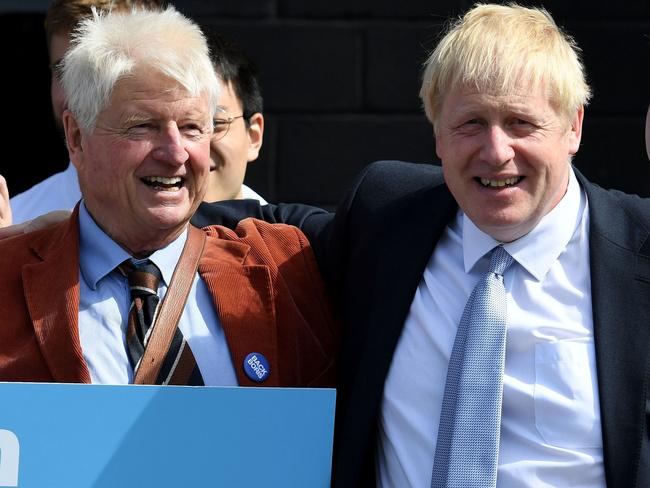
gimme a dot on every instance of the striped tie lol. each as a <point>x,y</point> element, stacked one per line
<point>467,450</point>
<point>143,278</point>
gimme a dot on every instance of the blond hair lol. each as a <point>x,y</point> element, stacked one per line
<point>500,48</point>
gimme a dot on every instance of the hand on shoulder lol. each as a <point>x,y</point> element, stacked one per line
<point>38,223</point>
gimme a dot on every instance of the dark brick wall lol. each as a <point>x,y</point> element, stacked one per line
<point>340,81</point>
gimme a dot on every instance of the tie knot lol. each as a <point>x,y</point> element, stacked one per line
<point>500,261</point>
<point>143,277</point>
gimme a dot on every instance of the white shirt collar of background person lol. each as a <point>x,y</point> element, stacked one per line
<point>550,431</point>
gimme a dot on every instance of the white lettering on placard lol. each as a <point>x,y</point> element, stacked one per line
<point>9,455</point>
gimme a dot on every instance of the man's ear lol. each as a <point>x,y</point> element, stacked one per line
<point>255,135</point>
<point>576,130</point>
<point>73,138</point>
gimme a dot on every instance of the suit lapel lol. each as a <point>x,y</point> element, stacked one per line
<point>52,295</point>
<point>410,232</point>
<point>243,298</point>
<point>620,283</point>
<point>415,228</point>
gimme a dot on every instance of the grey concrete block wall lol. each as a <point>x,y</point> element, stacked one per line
<point>340,81</point>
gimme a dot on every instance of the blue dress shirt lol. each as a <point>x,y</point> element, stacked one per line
<point>104,301</point>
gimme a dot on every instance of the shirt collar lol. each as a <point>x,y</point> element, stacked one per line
<point>99,255</point>
<point>536,251</point>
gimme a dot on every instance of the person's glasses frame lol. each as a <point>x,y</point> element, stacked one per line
<point>221,124</point>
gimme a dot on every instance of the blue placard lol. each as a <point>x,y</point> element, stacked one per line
<point>82,436</point>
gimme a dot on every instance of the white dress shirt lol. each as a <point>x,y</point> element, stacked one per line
<point>61,192</point>
<point>550,425</point>
<point>104,301</point>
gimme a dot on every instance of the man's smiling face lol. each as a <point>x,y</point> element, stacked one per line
<point>505,158</point>
<point>143,170</point>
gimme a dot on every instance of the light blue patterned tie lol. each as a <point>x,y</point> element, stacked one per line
<point>467,450</point>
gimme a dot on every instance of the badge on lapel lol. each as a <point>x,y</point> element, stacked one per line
<point>256,367</point>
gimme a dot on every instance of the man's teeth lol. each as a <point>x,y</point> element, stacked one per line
<point>161,179</point>
<point>498,183</point>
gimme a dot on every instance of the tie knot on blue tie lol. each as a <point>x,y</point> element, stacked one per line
<point>500,261</point>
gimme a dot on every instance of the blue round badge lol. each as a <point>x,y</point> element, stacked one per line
<point>256,367</point>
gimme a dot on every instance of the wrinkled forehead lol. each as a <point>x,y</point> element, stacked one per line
<point>147,85</point>
<point>524,88</point>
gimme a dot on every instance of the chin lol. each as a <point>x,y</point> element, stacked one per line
<point>169,218</point>
<point>505,227</point>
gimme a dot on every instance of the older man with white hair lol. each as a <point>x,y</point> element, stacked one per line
<point>82,300</point>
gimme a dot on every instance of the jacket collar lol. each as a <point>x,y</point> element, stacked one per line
<point>52,296</point>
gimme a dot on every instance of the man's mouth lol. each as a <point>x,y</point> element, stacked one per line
<point>499,182</point>
<point>162,183</point>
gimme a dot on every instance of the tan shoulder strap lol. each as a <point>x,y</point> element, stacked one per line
<point>171,308</point>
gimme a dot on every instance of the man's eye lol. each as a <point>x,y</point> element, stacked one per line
<point>141,128</point>
<point>469,124</point>
<point>219,125</point>
<point>519,122</point>
<point>523,125</point>
<point>192,129</point>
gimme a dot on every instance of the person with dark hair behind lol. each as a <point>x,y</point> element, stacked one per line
<point>239,124</point>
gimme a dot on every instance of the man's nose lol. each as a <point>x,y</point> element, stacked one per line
<point>170,146</point>
<point>498,146</point>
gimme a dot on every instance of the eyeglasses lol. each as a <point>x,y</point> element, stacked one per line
<point>221,125</point>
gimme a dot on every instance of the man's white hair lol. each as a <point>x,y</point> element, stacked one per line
<point>109,46</point>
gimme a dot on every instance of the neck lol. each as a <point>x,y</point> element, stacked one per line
<point>144,247</point>
<point>143,243</point>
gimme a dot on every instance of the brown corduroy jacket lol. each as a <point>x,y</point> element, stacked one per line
<point>263,278</point>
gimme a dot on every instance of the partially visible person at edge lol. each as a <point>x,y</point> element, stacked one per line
<point>142,94</point>
<point>241,96</point>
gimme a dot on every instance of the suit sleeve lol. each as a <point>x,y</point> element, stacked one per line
<point>229,212</point>
<point>313,221</point>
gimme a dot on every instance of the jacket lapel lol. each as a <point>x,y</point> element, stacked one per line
<point>620,284</point>
<point>408,237</point>
<point>415,226</point>
<point>52,295</point>
<point>243,298</point>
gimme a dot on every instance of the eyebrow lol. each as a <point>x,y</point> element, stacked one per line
<point>136,118</point>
